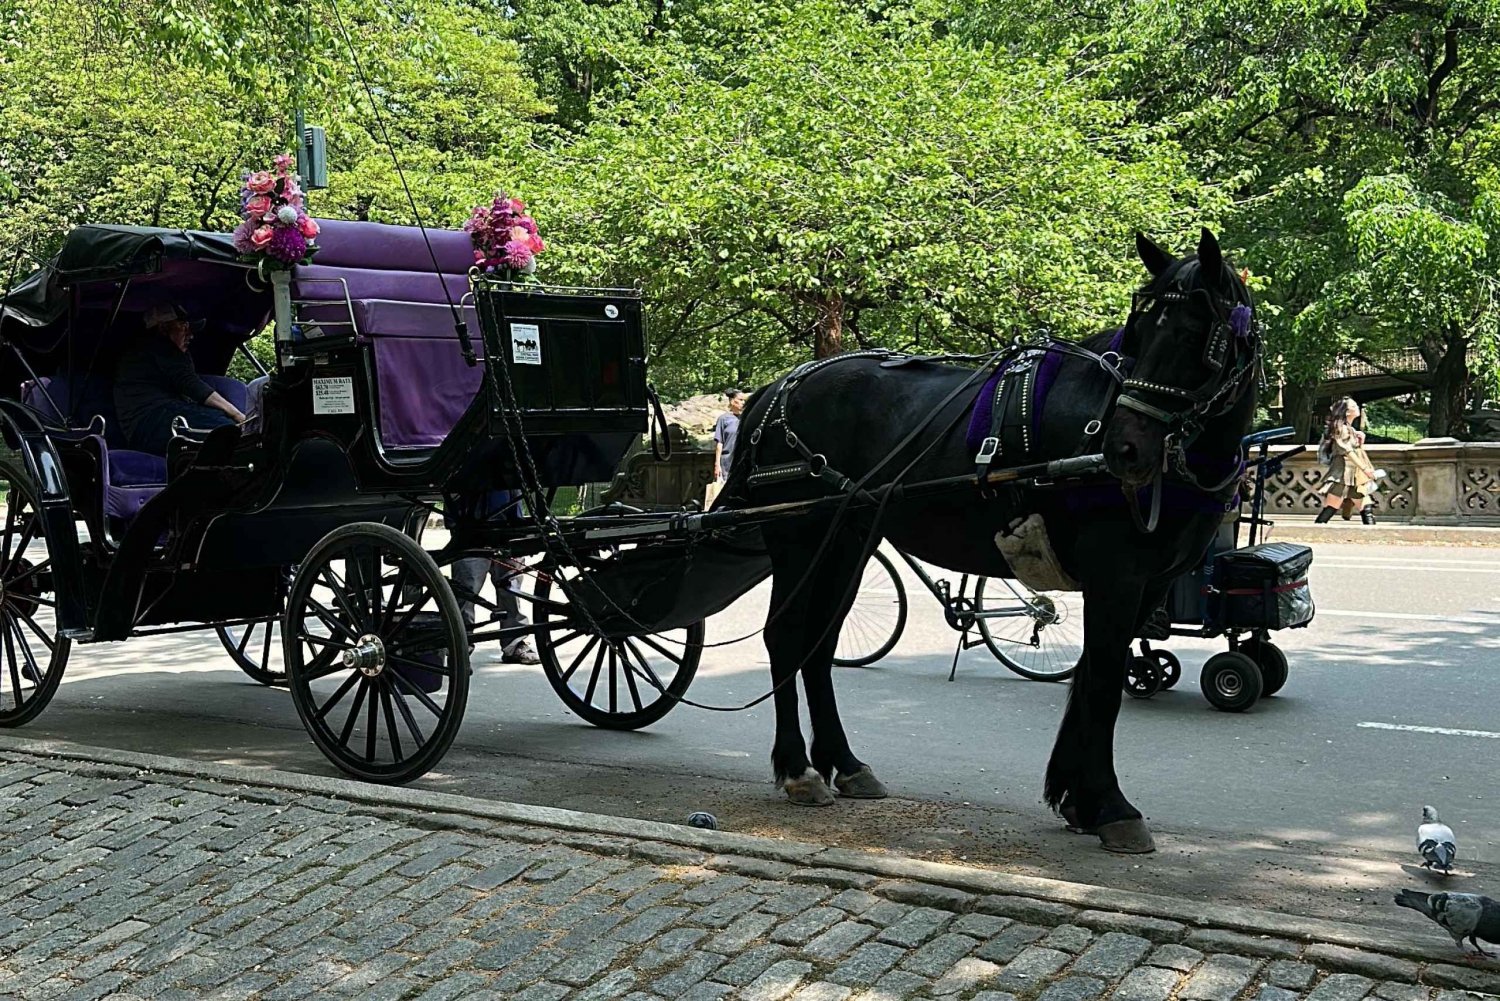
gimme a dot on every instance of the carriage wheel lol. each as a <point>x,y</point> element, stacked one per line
<point>33,652</point>
<point>1230,681</point>
<point>1040,636</point>
<point>376,655</point>
<point>1169,666</point>
<point>877,617</point>
<point>1271,661</point>
<point>1143,678</point>
<point>255,647</point>
<point>614,682</point>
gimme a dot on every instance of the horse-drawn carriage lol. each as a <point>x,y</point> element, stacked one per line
<point>382,409</point>
<point>307,519</point>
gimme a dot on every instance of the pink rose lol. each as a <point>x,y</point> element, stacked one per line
<point>518,233</point>
<point>282,162</point>
<point>262,236</point>
<point>258,206</point>
<point>308,226</point>
<point>260,182</point>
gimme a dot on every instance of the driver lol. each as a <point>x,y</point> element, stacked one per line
<point>155,382</point>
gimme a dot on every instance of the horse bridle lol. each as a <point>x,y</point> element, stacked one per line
<point>1232,353</point>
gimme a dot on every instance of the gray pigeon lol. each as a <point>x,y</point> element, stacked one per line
<point>1465,915</point>
<point>1436,842</point>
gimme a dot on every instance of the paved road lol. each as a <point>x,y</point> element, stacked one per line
<point>1306,803</point>
<point>131,884</point>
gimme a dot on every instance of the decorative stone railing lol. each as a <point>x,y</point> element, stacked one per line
<point>1437,481</point>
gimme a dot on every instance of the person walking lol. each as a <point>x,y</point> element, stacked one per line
<point>726,430</point>
<point>468,576</point>
<point>1351,478</point>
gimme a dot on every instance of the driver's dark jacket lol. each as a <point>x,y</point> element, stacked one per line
<point>151,372</point>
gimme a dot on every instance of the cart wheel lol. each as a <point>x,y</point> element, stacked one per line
<point>1037,634</point>
<point>1143,678</point>
<point>1271,661</point>
<point>34,652</point>
<point>876,619</point>
<point>1170,668</point>
<point>373,599</point>
<point>1230,681</point>
<point>614,682</point>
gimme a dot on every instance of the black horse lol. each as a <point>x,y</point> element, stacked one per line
<point>1191,354</point>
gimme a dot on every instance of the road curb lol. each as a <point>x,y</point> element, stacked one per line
<point>1055,901</point>
<point>1305,530</point>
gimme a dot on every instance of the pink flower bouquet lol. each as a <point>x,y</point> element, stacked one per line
<point>276,231</point>
<point>505,236</point>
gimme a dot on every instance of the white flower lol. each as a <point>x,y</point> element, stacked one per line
<point>287,214</point>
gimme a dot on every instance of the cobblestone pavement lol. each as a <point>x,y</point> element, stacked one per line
<point>127,884</point>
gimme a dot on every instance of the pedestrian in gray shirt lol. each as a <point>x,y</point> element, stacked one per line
<point>726,429</point>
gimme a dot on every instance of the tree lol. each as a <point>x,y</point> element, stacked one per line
<point>856,182</point>
<point>1292,105</point>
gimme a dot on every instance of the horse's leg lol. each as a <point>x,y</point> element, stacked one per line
<point>837,583</point>
<point>787,644</point>
<point>1081,773</point>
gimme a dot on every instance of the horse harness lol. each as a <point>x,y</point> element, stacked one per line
<point>1014,406</point>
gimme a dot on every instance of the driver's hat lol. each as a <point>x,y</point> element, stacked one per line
<point>165,312</point>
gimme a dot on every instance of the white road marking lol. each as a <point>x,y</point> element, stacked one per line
<point>1445,731</point>
<point>1447,620</point>
<point>1399,561</point>
<point>1412,567</point>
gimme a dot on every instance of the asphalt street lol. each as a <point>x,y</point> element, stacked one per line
<point>1308,802</point>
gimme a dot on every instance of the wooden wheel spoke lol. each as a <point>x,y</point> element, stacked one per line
<point>326,641</point>
<point>11,662</point>
<point>646,667</point>
<point>265,647</point>
<point>338,694</point>
<point>41,633</point>
<point>407,717</point>
<point>635,695</point>
<point>10,526</point>
<point>341,599</point>
<point>25,647</point>
<point>239,647</point>
<point>359,701</point>
<point>651,642</point>
<point>328,618</point>
<point>614,680</point>
<point>27,535</point>
<point>29,572</point>
<point>371,724</point>
<point>417,693</point>
<point>593,642</point>
<point>398,588</point>
<point>390,722</point>
<point>588,696</point>
<point>445,670</point>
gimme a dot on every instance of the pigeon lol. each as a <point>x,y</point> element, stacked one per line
<point>1465,915</point>
<point>1436,842</point>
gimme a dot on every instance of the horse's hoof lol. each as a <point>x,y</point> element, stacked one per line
<point>1126,837</point>
<point>861,785</point>
<point>1070,820</point>
<point>808,789</point>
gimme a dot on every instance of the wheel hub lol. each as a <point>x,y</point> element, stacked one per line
<point>1229,684</point>
<point>367,656</point>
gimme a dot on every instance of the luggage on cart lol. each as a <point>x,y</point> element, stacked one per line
<point>1261,587</point>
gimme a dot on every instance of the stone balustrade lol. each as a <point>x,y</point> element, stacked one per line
<point>1437,481</point>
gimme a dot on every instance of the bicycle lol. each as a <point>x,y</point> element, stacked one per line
<point>1037,634</point>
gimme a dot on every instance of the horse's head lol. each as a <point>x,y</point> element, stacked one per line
<point>1193,336</point>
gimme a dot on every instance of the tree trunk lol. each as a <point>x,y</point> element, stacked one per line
<point>1297,408</point>
<point>828,335</point>
<point>1447,359</point>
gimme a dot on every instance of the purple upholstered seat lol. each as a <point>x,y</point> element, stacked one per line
<point>423,384</point>
<point>129,478</point>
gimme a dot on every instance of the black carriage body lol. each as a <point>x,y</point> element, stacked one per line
<point>347,433</point>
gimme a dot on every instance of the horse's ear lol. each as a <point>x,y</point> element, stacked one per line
<point>1211,258</point>
<point>1156,260</point>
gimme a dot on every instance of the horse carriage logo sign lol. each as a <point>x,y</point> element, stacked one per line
<point>525,344</point>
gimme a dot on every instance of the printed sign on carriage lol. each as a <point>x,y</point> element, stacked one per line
<point>525,344</point>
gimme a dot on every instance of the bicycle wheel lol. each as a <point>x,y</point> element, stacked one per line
<point>876,618</point>
<point>1041,635</point>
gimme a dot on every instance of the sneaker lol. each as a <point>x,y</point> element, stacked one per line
<point>520,653</point>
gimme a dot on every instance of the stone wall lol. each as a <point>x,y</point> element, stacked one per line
<point>1437,481</point>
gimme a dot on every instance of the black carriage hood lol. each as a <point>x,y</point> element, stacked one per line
<point>102,277</point>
